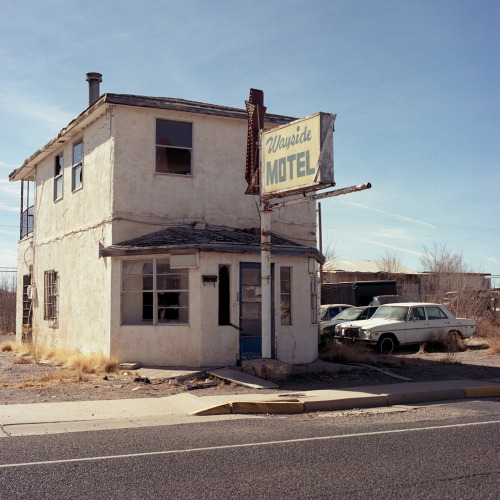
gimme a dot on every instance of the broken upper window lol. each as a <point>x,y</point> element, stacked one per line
<point>77,170</point>
<point>154,293</point>
<point>174,145</point>
<point>58,177</point>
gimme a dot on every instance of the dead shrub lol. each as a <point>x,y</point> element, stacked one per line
<point>6,347</point>
<point>80,363</point>
<point>337,352</point>
<point>491,333</point>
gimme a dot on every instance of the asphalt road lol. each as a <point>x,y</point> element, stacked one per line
<point>437,451</point>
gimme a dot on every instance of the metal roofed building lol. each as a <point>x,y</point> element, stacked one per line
<point>141,243</point>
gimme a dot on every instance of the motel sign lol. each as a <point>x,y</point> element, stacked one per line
<point>297,157</point>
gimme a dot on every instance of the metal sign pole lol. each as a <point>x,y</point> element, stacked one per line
<point>265,269</point>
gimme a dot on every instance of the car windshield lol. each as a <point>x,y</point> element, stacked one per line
<point>351,313</point>
<point>398,313</point>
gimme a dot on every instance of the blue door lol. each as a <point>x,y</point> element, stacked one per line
<point>251,311</point>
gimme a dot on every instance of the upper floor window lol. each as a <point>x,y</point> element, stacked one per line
<point>58,177</point>
<point>174,145</point>
<point>77,170</point>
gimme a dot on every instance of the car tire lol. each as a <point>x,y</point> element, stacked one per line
<point>386,344</point>
<point>453,341</point>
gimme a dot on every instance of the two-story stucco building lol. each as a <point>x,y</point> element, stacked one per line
<point>141,243</point>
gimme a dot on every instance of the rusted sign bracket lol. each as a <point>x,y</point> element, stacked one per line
<point>314,197</point>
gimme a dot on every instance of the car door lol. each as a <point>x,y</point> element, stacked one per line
<point>417,325</point>
<point>439,323</point>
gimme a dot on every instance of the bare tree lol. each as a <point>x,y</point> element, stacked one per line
<point>391,264</point>
<point>7,302</point>
<point>452,282</point>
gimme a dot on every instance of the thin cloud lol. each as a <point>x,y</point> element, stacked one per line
<point>392,247</point>
<point>31,107</point>
<point>393,233</point>
<point>402,217</point>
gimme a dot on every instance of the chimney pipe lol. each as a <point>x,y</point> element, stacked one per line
<point>94,80</point>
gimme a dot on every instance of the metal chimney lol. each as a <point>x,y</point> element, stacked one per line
<point>94,80</point>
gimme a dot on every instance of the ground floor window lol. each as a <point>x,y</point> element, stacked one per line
<point>50,295</point>
<point>285,295</point>
<point>224,296</point>
<point>26,300</point>
<point>154,293</point>
<point>314,301</point>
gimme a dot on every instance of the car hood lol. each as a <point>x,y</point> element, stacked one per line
<point>332,322</point>
<point>372,323</point>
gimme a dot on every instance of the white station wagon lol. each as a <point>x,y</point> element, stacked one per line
<point>406,323</point>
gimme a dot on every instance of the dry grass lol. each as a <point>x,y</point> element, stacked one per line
<point>50,379</point>
<point>336,352</point>
<point>74,367</point>
<point>491,333</point>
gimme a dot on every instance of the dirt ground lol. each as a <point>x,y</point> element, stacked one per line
<point>24,382</point>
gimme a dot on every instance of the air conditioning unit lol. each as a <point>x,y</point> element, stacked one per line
<point>31,291</point>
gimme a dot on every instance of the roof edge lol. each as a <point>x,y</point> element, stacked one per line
<point>140,101</point>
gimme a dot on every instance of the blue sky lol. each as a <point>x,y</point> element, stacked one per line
<point>414,84</point>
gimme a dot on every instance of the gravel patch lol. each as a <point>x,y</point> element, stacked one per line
<point>23,383</point>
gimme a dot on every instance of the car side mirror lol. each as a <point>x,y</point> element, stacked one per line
<point>415,318</point>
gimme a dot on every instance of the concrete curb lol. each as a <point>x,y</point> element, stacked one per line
<point>248,407</point>
<point>482,392</point>
<point>348,403</point>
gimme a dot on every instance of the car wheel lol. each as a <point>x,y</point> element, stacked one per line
<point>453,341</point>
<point>386,345</point>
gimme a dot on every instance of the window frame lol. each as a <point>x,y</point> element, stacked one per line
<point>77,167</point>
<point>50,294</point>
<point>314,300</point>
<point>58,177</point>
<point>155,290</point>
<point>173,146</point>
<point>286,313</point>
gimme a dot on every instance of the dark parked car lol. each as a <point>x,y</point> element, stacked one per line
<point>329,311</point>
<point>350,314</point>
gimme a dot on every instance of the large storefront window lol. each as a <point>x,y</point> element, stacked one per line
<point>154,293</point>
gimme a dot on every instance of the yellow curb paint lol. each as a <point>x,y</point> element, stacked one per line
<point>267,407</point>
<point>482,392</point>
<point>223,409</point>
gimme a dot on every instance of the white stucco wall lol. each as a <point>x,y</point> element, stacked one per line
<point>204,342</point>
<point>214,193</point>
<point>123,198</point>
<point>67,236</point>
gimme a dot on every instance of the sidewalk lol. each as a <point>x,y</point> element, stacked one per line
<point>46,418</point>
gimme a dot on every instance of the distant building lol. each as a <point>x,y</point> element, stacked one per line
<point>416,285</point>
<point>142,245</point>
